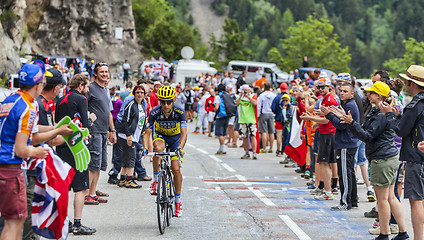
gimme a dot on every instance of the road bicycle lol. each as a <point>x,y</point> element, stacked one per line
<point>165,198</point>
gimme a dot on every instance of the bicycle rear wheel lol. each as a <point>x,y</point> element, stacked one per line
<point>162,203</point>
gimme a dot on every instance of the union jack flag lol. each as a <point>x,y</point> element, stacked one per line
<point>50,203</point>
<point>157,69</point>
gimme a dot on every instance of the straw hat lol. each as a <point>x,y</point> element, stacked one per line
<point>414,73</point>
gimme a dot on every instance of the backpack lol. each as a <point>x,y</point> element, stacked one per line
<point>227,106</point>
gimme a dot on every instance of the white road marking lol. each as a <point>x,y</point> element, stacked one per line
<point>218,188</point>
<point>243,178</point>
<point>188,144</point>
<point>262,197</point>
<point>294,227</point>
<point>230,169</point>
<point>201,150</point>
<point>215,158</point>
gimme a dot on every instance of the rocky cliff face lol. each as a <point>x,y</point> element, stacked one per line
<point>80,28</point>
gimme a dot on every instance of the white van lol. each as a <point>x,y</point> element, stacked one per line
<point>188,69</point>
<point>251,67</point>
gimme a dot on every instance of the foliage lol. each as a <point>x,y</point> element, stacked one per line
<point>230,46</point>
<point>373,30</point>
<point>162,32</point>
<point>414,54</point>
<point>313,38</point>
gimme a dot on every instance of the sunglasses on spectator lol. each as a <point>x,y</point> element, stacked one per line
<point>321,87</point>
<point>139,92</point>
<point>166,102</point>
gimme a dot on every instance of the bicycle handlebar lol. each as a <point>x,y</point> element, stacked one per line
<point>171,154</point>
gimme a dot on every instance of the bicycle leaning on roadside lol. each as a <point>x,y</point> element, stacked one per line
<point>165,198</point>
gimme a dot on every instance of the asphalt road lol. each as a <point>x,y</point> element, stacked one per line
<point>225,197</point>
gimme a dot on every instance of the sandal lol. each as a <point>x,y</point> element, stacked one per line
<point>101,194</point>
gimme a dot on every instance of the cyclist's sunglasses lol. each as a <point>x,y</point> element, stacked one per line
<point>102,64</point>
<point>166,102</point>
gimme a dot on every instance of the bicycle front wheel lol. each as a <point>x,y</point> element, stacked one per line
<point>162,203</point>
<point>171,198</point>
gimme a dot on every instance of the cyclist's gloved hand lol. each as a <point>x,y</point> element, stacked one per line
<point>179,152</point>
<point>144,152</point>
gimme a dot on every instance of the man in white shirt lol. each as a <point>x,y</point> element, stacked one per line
<point>126,67</point>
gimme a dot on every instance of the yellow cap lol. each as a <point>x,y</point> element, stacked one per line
<point>286,96</point>
<point>196,88</point>
<point>380,88</point>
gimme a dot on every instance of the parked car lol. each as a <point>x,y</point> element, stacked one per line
<point>270,69</point>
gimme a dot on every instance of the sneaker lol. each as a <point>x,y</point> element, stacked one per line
<point>196,132</point>
<point>210,135</point>
<point>270,151</point>
<point>145,178</point>
<point>100,200</point>
<point>311,186</point>
<point>220,153</point>
<point>324,197</point>
<point>394,229</point>
<point>298,170</point>
<point>246,156</point>
<point>113,179</point>
<point>285,161</point>
<point>122,182</point>
<point>316,191</point>
<point>132,184</point>
<point>335,191</point>
<point>178,209</point>
<point>278,153</point>
<point>83,230</point>
<point>153,188</point>
<point>310,182</point>
<point>340,208</point>
<point>204,133</point>
<point>254,156</point>
<point>291,165</point>
<point>360,181</point>
<point>371,214</point>
<point>70,227</point>
<point>307,174</point>
<point>403,237</point>
<point>376,224</point>
<point>371,196</point>
<point>262,151</point>
<point>88,200</point>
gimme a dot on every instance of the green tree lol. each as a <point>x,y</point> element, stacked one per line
<point>314,38</point>
<point>231,46</point>
<point>414,55</point>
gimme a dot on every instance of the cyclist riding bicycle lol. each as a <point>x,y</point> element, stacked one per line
<point>168,124</point>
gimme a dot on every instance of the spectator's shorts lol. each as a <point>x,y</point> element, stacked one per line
<point>13,202</point>
<point>81,180</point>
<point>247,129</point>
<point>221,126</point>
<point>383,171</point>
<point>402,174</point>
<point>360,158</point>
<point>97,145</point>
<point>211,116</point>
<point>232,120</point>
<point>278,125</point>
<point>188,106</point>
<point>316,142</point>
<point>414,181</point>
<point>170,141</point>
<point>236,124</point>
<point>326,149</point>
<point>128,153</point>
<point>266,123</point>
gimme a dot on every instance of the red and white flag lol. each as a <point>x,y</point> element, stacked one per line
<point>296,149</point>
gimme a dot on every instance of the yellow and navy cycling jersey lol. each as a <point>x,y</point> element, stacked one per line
<point>170,126</point>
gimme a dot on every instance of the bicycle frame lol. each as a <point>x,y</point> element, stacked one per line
<point>165,190</point>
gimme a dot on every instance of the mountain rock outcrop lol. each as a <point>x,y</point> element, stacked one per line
<point>79,28</point>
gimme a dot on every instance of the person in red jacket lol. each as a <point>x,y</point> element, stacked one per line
<point>210,110</point>
<point>154,101</point>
